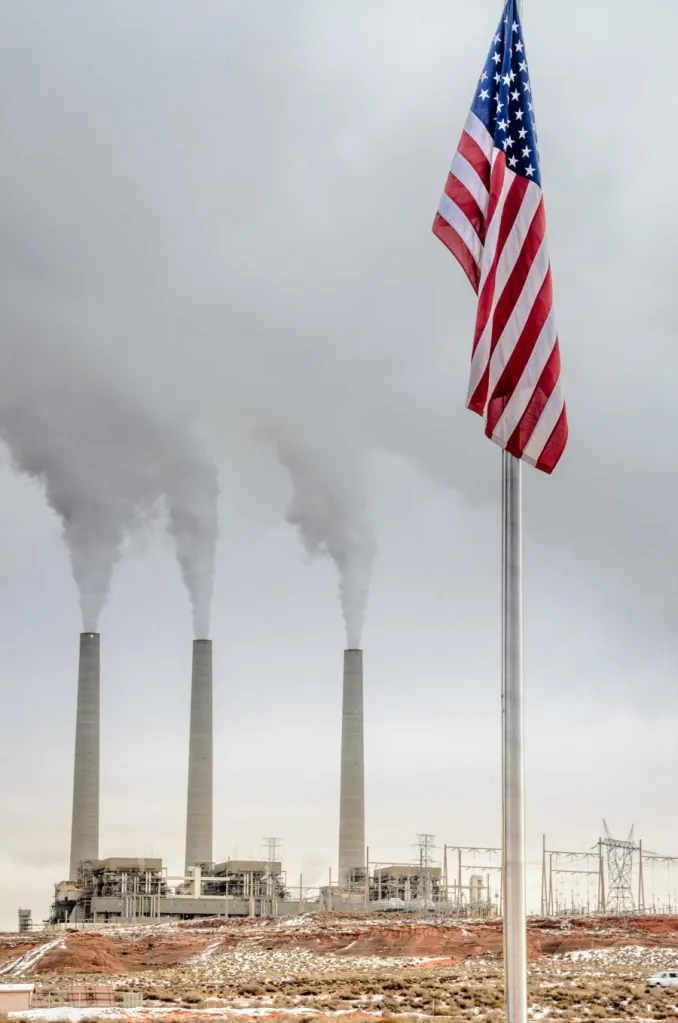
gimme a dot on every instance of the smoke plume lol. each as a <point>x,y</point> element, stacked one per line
<point>330,509</point>
<point>192,496</point>
<point>107,465</point>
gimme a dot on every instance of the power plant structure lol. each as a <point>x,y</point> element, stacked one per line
<point>199,808</point>
<point>352,792</point>
<point>91,879</point>
<point>120,890</point>
<point>85,819</point>
<point>126,890</point>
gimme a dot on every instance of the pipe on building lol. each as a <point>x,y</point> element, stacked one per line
<point>85,820</point>
<point>199,804</point>
<point>352,794</point>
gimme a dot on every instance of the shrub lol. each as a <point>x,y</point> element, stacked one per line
<point>252,988</point>
<point>192,997</point>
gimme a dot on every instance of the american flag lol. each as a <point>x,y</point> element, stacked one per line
<point>491,218</point>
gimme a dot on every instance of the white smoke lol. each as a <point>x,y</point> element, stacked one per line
<point>330,509</point>
<point>107,465</point>
<point>192,495</point>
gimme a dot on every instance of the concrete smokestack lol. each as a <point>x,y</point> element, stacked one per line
<point>85,823</point>
<point>352,797</point>
<point>199,813</point>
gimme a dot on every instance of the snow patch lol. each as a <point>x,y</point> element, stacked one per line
<point>29,960</point>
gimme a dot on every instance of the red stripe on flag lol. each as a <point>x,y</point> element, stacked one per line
<point>449,237</point>
<point>471,151</point>
<point>546,385</point>
<point>457,191</point>
<point>514,201</point>
<point>555,445</point>
<point>516,282</point>
<point>520,356</point>
<point>496,185</point>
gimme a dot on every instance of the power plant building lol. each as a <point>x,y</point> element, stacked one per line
<point>127,889</point>
<point>124,889</point>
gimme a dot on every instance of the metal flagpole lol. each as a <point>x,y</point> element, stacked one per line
<point>513,790</point>
<point>513,762</point>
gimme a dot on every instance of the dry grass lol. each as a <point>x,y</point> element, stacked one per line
<point>592,990</point>
<point>451,995</point>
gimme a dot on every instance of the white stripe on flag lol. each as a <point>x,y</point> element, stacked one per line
<point>492,232</point>
<point>524,392</point>
<point>450,212</point>
<point>519,316</point>
<point>515,240</point>
<point>468,176</point>
<point>479,133</point>
<point>545,427</point>
<point>482,351</point>
<point>505,265</point>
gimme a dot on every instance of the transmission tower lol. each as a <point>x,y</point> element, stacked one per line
<point>271,845</point>
<point>426,845</point>
<point>620,871</point>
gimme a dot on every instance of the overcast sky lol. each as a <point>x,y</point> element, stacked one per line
<point>219,212</point>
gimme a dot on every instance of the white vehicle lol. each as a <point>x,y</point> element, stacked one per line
<point>663,980</point>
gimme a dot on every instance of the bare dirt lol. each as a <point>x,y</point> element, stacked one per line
<point>119,953</point>
<point>335,963</point>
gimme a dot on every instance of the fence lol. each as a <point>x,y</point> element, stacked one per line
<point>84,996</point>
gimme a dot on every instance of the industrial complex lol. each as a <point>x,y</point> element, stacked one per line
<point>131,888</point>
<point>118,889</point>
<point>613,876</point>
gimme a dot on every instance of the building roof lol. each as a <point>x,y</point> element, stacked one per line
<point>130,863</point>
<point>247,866</point>
<point>406,870</point>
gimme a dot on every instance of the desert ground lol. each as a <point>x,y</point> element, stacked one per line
<point>332,965</point>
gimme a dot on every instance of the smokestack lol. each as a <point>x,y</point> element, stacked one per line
<point>352,797</point>
<point>85,823</point>
<point>199,812</point>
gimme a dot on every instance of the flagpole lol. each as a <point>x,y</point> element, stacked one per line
<point>513,756</point>
<point>513,788</point>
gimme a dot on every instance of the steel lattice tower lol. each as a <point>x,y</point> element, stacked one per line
<point>620,872</point>
<point>426,845</point>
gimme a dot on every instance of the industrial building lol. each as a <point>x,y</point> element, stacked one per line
<point>393,887</point>
<point>125,889</point>
<point>25,921</point>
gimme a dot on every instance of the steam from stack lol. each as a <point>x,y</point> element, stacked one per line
<point>108,465</point>
<point>330,510</point>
